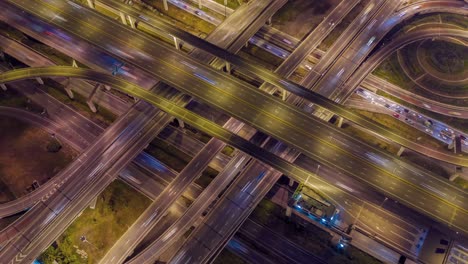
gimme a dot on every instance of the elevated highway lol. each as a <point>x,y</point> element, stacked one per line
<point>228,137</point>
<point>270,77</point>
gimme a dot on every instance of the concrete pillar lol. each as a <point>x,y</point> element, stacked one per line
<point>181,123</point>
<point>284,94</point>
<point>93,203</point>
<point>74,63</point>
<point>228,67</point>
<point>91,3</point>
<point>3,86</point>
<point>340,121</point>
<point>177,44</point>
<point>107,87</point>
<point>89,101</point>
<point>269,21</point>
<point>200,4</point>
<point>288,211</point>
<point>291,182</point>
<point>39,80</point>
<point>165,5</point>
<point>453,176</point>
<point>247,44</point>
<point>400,151</point>
<point>131,21</point>
<point>69,92</point>
<point>122,18</point>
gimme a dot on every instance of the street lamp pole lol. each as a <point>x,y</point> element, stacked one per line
<point>225,9</point>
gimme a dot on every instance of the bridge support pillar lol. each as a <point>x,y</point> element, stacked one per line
<point>165,5</point>
<point>284,94</point>
<point>288,211</point>
<point>400,151</point>
<point>69,92</point>
<point>74,64</point>
<point>200,4</point>
<point>39,80</point>
<point>3,86</point>
<point>123,18</point>
<point>107,87</point>
<point>177,44</point>
<point>181,123</point>
<point>269,21</point>
<point>91,3</point>
<point>228,67</point>
<point>340,122</point>
<point>89,101</point>
<point>453,176</point>
<point>291,182</point>
<point>247,44</point>
<point>92,205</point>
<point>131,21</point>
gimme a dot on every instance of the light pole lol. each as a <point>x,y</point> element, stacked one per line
<point>386,198</point>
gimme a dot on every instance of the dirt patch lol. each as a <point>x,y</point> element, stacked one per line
<point>299,17</point>
<point>24,158</point>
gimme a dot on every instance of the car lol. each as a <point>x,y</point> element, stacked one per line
<point>396,115</point>
<point>267,46</point>
<point>429,131</point>
<point>443,136</point>
<point>197,12</point>
<point>462,137</point>
<point>387,105</point>
<point>409,120</point>
<point>406,110</point>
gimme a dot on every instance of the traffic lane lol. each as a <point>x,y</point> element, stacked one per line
<point>79,48</point>
<point>235,245</point>
<point>179,227</point>
<point>99,183</point>
<point>153,214</point>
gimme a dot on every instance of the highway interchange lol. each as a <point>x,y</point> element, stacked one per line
<point>260,122</point>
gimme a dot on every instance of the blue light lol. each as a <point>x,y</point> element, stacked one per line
<point>298,206</point>
<point>341,245</point>
<point>324,220</point>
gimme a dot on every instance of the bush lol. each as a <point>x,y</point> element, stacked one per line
<point>54,146</point>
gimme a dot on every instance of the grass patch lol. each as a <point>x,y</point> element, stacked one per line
<point>461,182</point>
<point>446,57</point>
<point>263,55</point>
<point>306,234</point>
<point>228,151</point>
<point>342,26</point>
<point>403,129</point>
<point>207,176</point>
<point>227,257</point>
<point>410,57</point>
<point>168,154</point>
<point>18,170</point>
<point>299,17</point>
<point>233,4</point>
<point>118,206</point>
<point>391,71</point>
<point>103,116</point>
<point>13,98</point>
<point>455,19</point>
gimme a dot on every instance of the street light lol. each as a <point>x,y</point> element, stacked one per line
<point>386,198</point>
